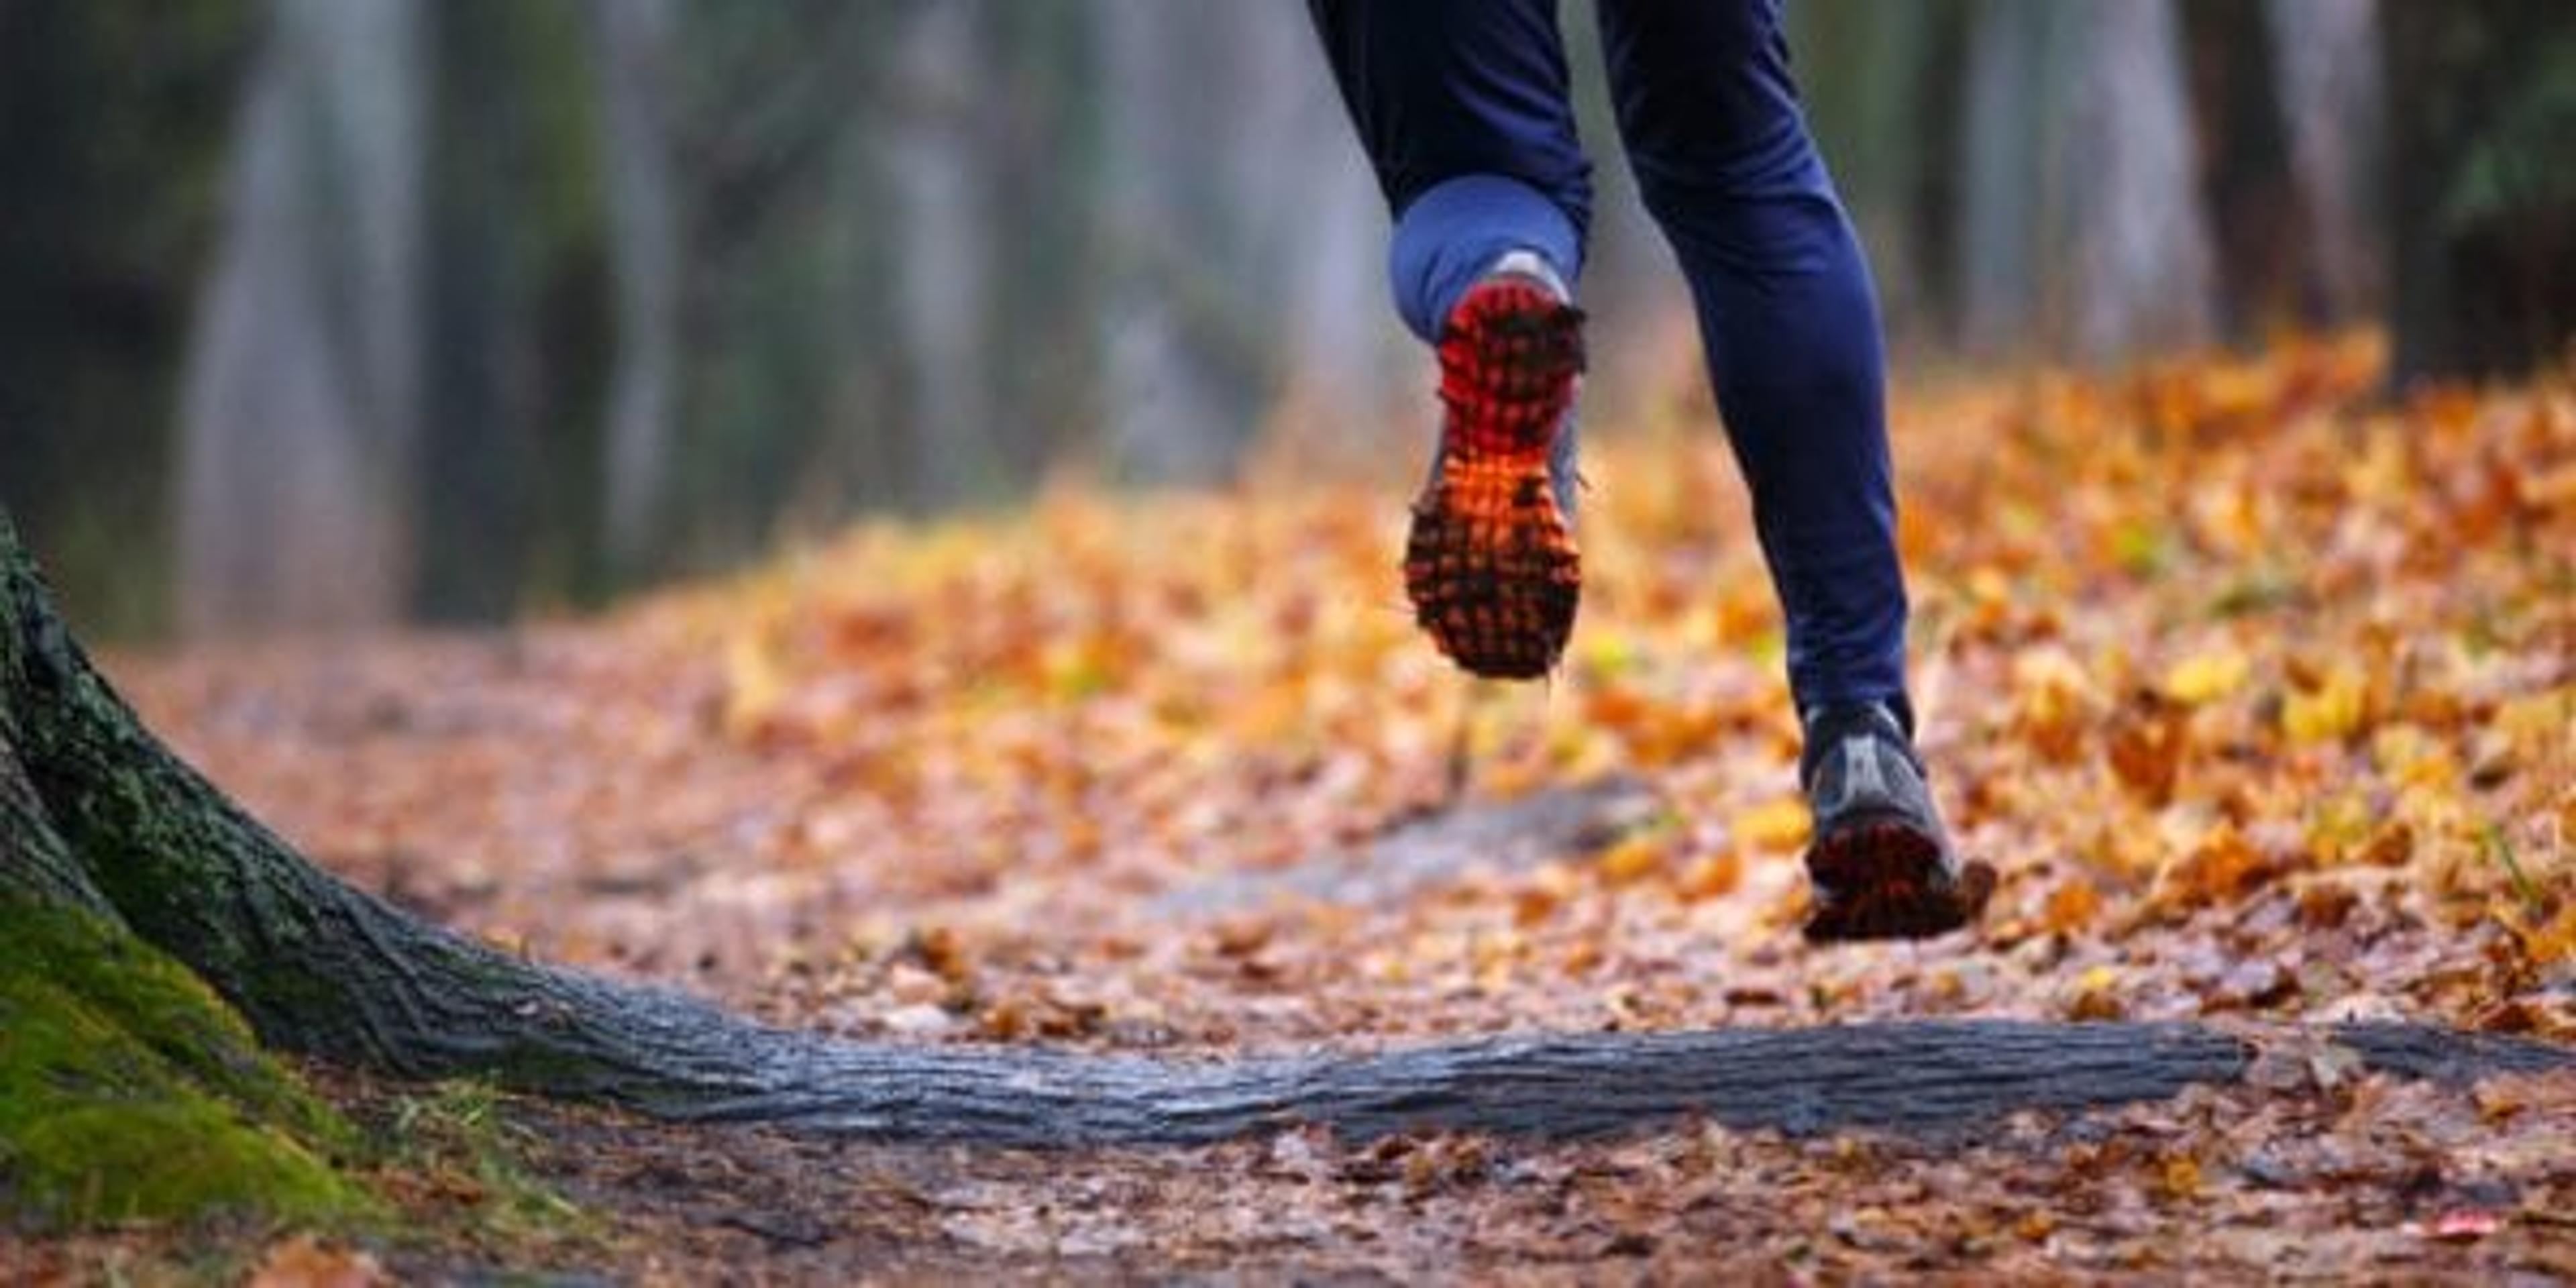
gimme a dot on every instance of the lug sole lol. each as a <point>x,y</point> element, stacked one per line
<point>1490,564</point>
<point>1886,878</point>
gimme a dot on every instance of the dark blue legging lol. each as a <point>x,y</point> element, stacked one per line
<point>1463,108</point>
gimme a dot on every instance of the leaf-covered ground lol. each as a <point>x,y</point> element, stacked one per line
<point>2259,693</point>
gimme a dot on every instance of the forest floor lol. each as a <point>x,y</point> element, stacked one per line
<point>2259,693</point>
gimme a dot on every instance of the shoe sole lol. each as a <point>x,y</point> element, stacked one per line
<point>1490,564</point>
<point>1888,880</point>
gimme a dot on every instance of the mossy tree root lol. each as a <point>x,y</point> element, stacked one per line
<point>127,1090</point>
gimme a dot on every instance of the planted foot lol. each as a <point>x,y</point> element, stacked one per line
<point>1881,863</point>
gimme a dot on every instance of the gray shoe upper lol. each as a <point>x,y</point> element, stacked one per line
<point>1859,766</point>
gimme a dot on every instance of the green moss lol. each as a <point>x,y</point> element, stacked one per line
<point>182,1157</point>
<point>128,1090</point>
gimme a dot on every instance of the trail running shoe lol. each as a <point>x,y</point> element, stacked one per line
<point>1881,863</point>
<point>1491,566</point>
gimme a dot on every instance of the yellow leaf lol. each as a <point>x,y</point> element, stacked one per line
<point>2541,724</point>
<point>2339,824</point>
<point>2206,677</point>
<point>1779,824</point>
<point>1630,859</point>
<point>1610,653</point>
<point>2181,1176</point>
<point>2551,941</point>
<point>2413,758</point>
<point>2096,996</point>
<point>2332,712</point>
<point>754,683</point>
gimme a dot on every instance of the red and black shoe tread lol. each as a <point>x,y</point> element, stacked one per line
<point>1889,878</point>
<point>1491,565</point>
<point>1881,865</point>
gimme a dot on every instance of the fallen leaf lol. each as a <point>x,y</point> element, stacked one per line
<point>306,1262</point>
<point>2207,676</point>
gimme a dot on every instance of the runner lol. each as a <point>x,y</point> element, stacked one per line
<point>1462,107</point>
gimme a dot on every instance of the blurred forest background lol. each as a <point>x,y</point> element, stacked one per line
<point>331,313</point>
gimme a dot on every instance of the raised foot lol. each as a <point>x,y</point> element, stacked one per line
<point>1491,565</point>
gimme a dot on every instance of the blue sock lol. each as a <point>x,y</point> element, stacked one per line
<point>1454,232</point>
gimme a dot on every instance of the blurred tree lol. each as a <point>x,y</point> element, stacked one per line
<point>304,380</point>
<point>1048,144</point>
<point>1243,239</point>
<point>2482,184</point>
<point>403,341</point>
<point>792,358</point>
<point>2286,103</point>
<point>2081,231</point>
<point>940,158</point>
<point>111,129</point>
<point>1884,91</point>
<point>2256,209</point>
<point>2328,75</point>
<point>636,64</point>
<point>516,346</point>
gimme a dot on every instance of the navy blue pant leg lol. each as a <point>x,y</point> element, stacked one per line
<point>1463,108</point>
<point>1787,316</point>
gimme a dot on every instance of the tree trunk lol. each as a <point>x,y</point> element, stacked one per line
<point>313,964</point>
<point>2256,209</point>
<point>106,149</point>
<point>2000,146</point>
<point>2327,71</point>
<point>1178,380</point>
<point>106,827</point>
<point>2139,271</point>
<point>34,866</point>
<point>635,76</point>
<point>948,229</point>
<point>2082,233</point>
<point>2482,185</point>
<point>300,408</point>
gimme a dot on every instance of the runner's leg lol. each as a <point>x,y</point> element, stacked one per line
<point>1788,319</point>
<point>1462,108</point>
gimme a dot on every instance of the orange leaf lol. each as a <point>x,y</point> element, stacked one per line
<point>304,1262</point>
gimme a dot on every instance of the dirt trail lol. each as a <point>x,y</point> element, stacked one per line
<point>2256,692</point>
